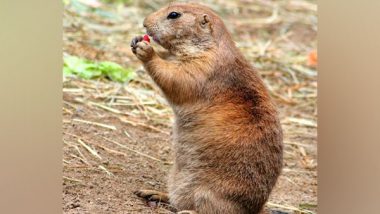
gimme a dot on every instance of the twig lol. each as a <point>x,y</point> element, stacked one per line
<point>288,207</point>
<point>84,159</point>
<point>96,124</point>
<point>116,111</point>
<point>73,90</point>
<point>72,179</point>
<point>132,150</point>
<point>298,171</point>
<point>105,169</point>
<point>92,151</point>
<point>302,121</point>
<point>139,101</point>
<point>143,125</point>
<point>67,110</point>
<point>110,150</point>
<point>113,110</point>
<point>296,144</point>
<point>128,135</point>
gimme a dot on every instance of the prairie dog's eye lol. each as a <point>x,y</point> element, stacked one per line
<point>174,15</point>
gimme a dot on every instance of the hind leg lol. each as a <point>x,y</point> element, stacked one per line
<point>208,202</point>
<point>153,195</point>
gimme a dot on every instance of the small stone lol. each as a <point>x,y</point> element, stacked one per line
<point>152,204</point>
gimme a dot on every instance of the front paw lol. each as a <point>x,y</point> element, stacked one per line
<point>142,49</point>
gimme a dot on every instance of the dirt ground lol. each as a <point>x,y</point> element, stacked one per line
<point>116,137</point>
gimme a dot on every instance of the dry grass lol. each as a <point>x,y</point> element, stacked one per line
<point>277,40</point>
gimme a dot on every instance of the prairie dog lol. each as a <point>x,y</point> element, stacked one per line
<point>227,136</point>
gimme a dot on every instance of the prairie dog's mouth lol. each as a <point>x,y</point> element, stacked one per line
<point>155,38</point>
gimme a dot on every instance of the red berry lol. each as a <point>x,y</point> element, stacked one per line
<point>146,38</point>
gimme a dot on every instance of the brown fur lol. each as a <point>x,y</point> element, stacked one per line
<point>227,136</point>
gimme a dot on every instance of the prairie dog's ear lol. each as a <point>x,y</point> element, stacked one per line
<point>205,20</point>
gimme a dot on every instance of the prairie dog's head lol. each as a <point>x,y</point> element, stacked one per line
<point>184,27</point>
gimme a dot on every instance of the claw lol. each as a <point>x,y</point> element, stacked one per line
<point>136,40</point>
